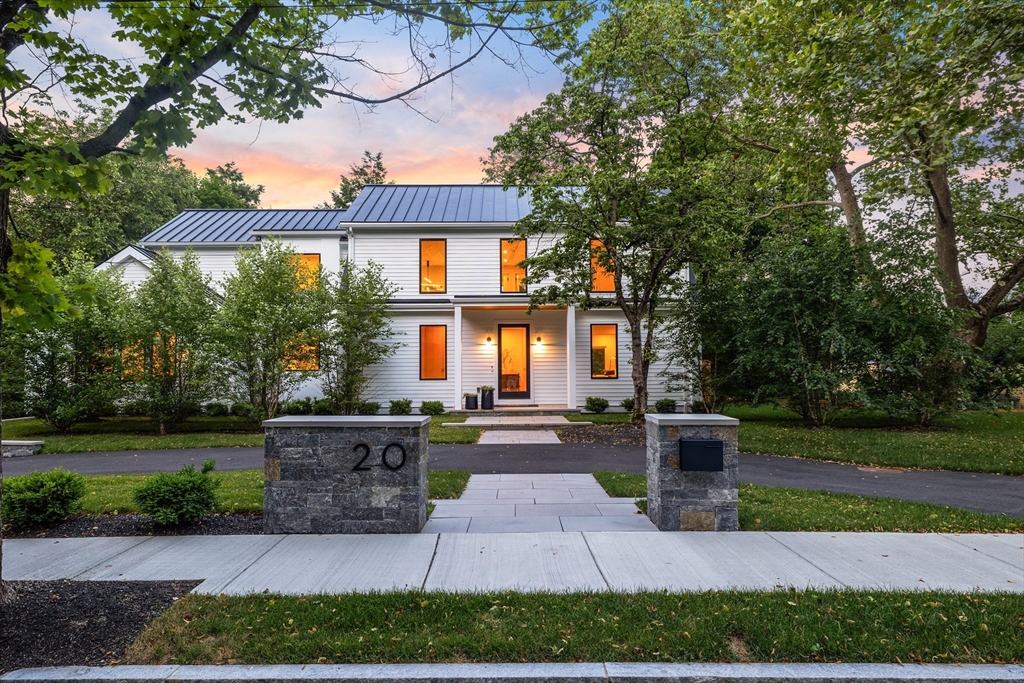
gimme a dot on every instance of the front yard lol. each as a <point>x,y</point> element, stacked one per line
<point>140,434</point>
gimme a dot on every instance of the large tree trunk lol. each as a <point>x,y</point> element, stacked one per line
<point>639,375</point>
<point>6,251</point>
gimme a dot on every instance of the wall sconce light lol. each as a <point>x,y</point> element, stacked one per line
<point>539,342</point>
<point>489,341</point>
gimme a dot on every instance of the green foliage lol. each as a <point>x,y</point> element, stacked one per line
<point>269,326</point>
<point>243,409</point>
<point>224,187</point>
<point>432,408</point>
<point>42,497</point>
<point>171,357</point>
<point>999,369</point>
<point>369,408</point>
<point>665,405</point>
<point>322,406</point>
<point>30,297</point>
<point>369,171</point>
<point>72,368</point>
<point>301,406</point>
<point>401,406</point>
<point>596,405</point>
<point>631,152</point>
<point>216,409</point>
<point>172,499</point>
<point>627,404</point>
<point>358,332</point>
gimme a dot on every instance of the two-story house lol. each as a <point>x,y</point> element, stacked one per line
<point>460,312</point>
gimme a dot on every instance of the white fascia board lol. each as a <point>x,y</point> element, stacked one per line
<point>194,245</point>
<point>129,253</point>
<point>300,233</point>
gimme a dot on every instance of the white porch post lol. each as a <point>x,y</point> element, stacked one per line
<point>458,357</point>
<point>570,356</point>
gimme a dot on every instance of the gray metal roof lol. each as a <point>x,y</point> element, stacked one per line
<point>438,204</point>
<point>237,225</point>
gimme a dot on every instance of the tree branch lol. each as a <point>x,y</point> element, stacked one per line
<point>866,165</point>
<point>1001,288</point>
<point>798,205</point>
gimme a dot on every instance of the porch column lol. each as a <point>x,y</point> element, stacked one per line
<point>458,357</point>
<point>570,356</point>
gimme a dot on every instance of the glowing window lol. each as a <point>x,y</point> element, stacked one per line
<point>604,357</point>
<point>433,352</point>
<point>513,274</point>
<point>301,355</point>
<point>308,267</point>
<point>601,280</point>
<point>433,261</point>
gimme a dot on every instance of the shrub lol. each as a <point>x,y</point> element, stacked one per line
<point>627,404</point>
<point>42,497</point>
<point>302,406</point>
<point>432,407</point>
<point>665,405</point>
<point>216,410</point>
<point>179,498</point>
<point>242,409</point>
<point>595,404</point>
<point>133,409</point>
<point>369,408</point>
<point>400,406</point>
<point>322,406</point>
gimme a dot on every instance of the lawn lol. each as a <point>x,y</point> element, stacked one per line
<point>968,441</point>
<point>140,434</point>
<point>239,491</point>
<point>765,508</point>
<point>715,626</point>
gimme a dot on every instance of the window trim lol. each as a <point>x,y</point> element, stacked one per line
<point>444,347</point>
<point>434,239</point>
<point>592,326</point>
<point>593,270</point>
<point>501,244</point>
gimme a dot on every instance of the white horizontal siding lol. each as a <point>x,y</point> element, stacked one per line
<point>547,359</point>
<point>132,272</point>
<point>615,390</point>
<point>399,376</point>
<point>330,248</point>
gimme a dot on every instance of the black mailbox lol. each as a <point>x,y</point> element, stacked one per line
<point>701,455</point>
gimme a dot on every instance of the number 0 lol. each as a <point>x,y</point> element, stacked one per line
<point>384,456</point>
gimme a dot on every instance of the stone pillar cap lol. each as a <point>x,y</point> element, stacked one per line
<point>349,421</point>
<point>690,420</point>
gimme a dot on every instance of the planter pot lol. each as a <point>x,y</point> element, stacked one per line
<point>487,399</point>
<point>471,402</point>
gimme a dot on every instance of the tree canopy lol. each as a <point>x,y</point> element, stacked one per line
<point>369,171</point>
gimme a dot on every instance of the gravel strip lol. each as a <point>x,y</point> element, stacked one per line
<point>611,435</point>
<point>141,525</point>
<point>71,623</point>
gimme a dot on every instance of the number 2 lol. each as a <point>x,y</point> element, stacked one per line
<point>366,454</point>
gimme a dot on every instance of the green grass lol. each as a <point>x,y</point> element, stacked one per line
<point>781,626</point>
<point>768,508</point>
<point>600,418</point>
<point>439,434</point>
<point>140,434</point>
<point>240,491</point>
<point>969,441</point>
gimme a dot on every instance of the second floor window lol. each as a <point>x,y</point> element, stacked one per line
<point>601,280</point>
<point>308,267</point>
<point>513,274</point>
<point>433,266</point>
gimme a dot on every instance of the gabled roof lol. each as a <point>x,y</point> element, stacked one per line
<point>235,226</point>
<point>437,204</point>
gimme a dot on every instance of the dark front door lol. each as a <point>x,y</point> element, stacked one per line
<point>513,361</point>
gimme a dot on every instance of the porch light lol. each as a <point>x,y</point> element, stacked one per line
<point>489,341</point>
<point>539,342</point>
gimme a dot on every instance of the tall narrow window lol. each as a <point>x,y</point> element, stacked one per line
<point>513,273</point>
<point>433,266</point>
<point>308,267</point>
<point>601,280</point>
<point>604,357</point>
<point>301,353</point>
<point>433,352</point>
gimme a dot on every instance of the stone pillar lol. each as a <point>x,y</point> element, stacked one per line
<point>345,474</point>
<point>684,490</point>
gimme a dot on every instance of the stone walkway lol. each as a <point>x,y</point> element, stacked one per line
<point>515,421</point>
<point>494,437</point>
<point>504,503</point>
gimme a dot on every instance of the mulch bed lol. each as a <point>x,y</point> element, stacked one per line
<point>612,435</point>
<point>141,525</point>
<point>75,623</point>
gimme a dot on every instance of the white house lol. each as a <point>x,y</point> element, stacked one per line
<point>461,309</point>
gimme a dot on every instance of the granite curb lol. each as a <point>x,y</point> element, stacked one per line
<point>532,673</point>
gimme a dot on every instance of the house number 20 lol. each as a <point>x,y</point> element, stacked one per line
<point>392,457</point>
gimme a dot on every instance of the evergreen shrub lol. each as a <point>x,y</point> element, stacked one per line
<point>182,497</point>
<point>42,497</point>
<point>595,404</point>
<point>432,408</point>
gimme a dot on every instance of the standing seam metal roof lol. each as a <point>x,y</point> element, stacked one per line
<point>438,204</point>
<point>237,225</point>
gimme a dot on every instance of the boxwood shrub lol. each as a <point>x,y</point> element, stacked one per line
<point>400,406</point>
<point>432,408</point>
<point>595,404</point>
<point>42,497</point>
<point>182,497</point>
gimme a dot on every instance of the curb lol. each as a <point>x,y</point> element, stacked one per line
<point>531,673</point>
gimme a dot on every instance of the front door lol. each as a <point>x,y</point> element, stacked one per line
<point>513,361</point>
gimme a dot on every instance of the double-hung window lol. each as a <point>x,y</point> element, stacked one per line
<point>433,266</point>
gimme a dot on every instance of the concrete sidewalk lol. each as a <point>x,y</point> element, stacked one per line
<point>561,561</point>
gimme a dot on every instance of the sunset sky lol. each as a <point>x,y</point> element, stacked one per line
<point>299,163</point>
